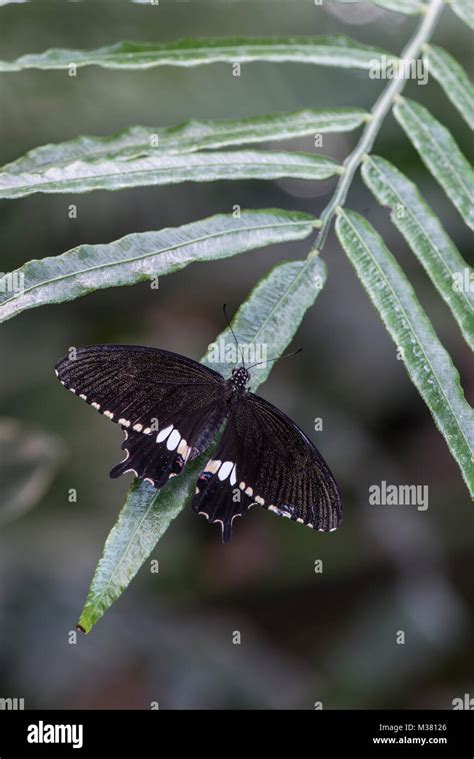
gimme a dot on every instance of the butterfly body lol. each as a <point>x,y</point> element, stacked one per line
<point>171,408</point>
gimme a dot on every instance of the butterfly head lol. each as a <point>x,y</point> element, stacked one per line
<point>240,377</point>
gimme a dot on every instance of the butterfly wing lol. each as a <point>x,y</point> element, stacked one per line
<point>264,457</point>
<point>169,406</point>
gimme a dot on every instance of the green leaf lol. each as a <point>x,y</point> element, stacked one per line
<point>428,364</point>
<point>336,51</point>
<point>424,233</point>
<point>465,10</point>
<point>144,255</point>
<point>453,79</point>
<point>162,168</point>
<point>273,312</point>
<point>130,542</point>
<point>138,141</point>
<point>270,315</point>
<point>440,154</point>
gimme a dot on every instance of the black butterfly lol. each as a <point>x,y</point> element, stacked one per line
<point>171,407</point>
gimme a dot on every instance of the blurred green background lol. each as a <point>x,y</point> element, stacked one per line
<point>305,637</point>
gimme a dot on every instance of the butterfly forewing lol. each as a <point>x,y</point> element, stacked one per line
<point>138,387</point>
<point>169,406</point>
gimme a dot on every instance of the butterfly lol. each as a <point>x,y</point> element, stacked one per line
<point>171,409</point>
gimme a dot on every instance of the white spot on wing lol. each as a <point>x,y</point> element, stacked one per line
<point>138,427</point>
<point>109,414</point>
<point>95,405</point>
<point>213,465</point>
<point>225,470</point>
<point>163,434</point>
<point>183,449</point>
<point>173,440</point>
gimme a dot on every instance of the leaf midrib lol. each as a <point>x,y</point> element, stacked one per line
<point>176,170</point>
<point>271,49</point>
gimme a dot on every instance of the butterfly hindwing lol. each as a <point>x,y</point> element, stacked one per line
<point>218,496</point>
<point>158,456</point>
<point>150,461</point>
<point>268,460</point>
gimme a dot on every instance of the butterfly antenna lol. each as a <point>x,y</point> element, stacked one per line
<point>267,361</point>
<point>224,308</point>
